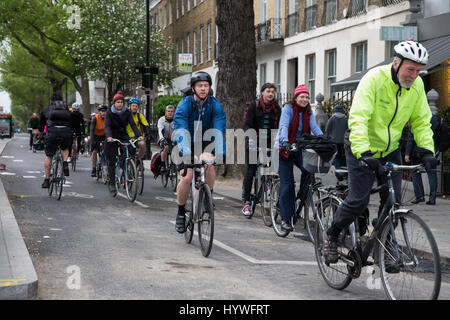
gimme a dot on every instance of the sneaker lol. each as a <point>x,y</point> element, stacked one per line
<point>330,250</point>
<point>94,172</point>
<point>286,225</point>
<point>417,200</point>
<point>69,159</point>
<point>431,202</point>
<point>180,223</point>
<point>246,210</point>
<point>46,184</point>
<point>66,168</point>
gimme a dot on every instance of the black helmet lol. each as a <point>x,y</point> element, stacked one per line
<point>201,76</point>
<point>102,107</point>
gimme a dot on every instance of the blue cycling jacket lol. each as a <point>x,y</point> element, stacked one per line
<point>189,118</point>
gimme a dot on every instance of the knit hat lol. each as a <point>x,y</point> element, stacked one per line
<point>338,108</point>
<point>301,89</point>
<point>118,96</point>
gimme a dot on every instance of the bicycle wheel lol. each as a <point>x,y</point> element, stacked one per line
<point>140,175</point>
<point>131,180</point>
<point>115,186</point>
<point>52,177</point>
<point>253,197</point>
<point>60,179</point>
<point>98,172</point>
<point>164,178</point>
<point>307,218</point>
<point>205,214</point>
<point>189,219</point>
<point>174,173</point>
<point>104,171</point>
<point>73,160</point>
<point>267,184</point>
<point>275,210</point>
<point>336,275</point>
<point>415,273</point>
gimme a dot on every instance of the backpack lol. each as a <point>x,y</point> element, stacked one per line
<point>443,136</point>
<point>155,164</point>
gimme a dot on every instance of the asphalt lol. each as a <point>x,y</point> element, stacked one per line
<point>18,278</point>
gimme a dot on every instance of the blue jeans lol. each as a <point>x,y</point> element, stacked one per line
<point>287,183</point>
<point>418,185</point>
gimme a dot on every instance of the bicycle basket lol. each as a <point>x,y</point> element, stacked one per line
<point>313,163</point>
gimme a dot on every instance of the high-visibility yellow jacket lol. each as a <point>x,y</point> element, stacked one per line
<point>380,110</point>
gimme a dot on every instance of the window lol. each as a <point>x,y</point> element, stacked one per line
<point>277,74</point>
<point>188,43</point>
<point>177,9</point>
<point>262,73</point>
<point>202,45</point>
<point>194,4</point>
<point>330,11</point>
<point>358,7</point>
<point>195,46</point>
<point>360,57</point>
<point>188,7</point>
<point>390,52</point>
<point>182,7</point>
<point>209,40</point>
<point>311,75</point>
<point>263,17</point>
<point>310,13</point>
<point>182,45</point>
<point>170,12</point>
<point>165,16</point>
<point>330,70</point>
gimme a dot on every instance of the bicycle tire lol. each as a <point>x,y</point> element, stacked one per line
<point>60,178</point>
<point>267,184</point>
<point>423,269</point>
<point>131,183</point>
<point>308,215</point>
<point>205,214</point>
<point>140,174</point>
<point>73,160</point>
<point>164,179</point>
<point>52,178</point>
<point>98,172</point>
<point>275,211</point>
<point>189,220</point>
<point>175,174</point>
<point>335,275</point>
<point>105,173</point>
<point>114,185</point>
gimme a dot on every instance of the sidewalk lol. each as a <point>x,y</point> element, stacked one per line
<point>18,279</point>
<point>437,217</point>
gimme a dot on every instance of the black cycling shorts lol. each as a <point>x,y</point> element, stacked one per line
<point>95,144</point>
<point>51,137</point>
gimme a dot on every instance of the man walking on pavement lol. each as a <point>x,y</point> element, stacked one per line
<point>336,127</point>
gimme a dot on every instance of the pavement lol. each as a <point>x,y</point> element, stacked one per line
<point>437,217</point>
<point>18,278</point>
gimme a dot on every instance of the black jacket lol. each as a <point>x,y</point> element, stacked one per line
<point>56,114</point>
<point>254,119</point>
<point>77,122</point>
<point>116,123</point>
<point>34,123</point>
<point>336,127</point>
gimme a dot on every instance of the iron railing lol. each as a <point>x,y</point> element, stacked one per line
<point>269,30</point>
<point>291,26</point>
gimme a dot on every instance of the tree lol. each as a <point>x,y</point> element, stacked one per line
<point>111,43</point>
<point>236,78</point>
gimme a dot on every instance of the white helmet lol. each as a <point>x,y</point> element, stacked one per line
<point>76,106</point>
<point>412,50</point>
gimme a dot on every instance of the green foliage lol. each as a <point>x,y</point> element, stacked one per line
<point>159,106</point>
<point>444,113</point>
<point>329,104</point>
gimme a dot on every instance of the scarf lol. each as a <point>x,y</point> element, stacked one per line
<point>293,126</point>
<point>269,107</point>
<point>114,110</point>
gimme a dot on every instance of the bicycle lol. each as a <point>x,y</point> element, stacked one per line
<point>126,172</point>
<point>307,199</point>
<point>199,208</point>
<point>171,172</point>
<point>101,171</point>
<point>74,153</point>
<point>139,168</point>
<point>57,177</point>
<point>393,245</point>
<point>261,191</point>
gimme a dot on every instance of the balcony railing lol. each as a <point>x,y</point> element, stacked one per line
<point>291,27</point>
<point>390,2</point>
<point>270,30</point>
<point>357,7</point>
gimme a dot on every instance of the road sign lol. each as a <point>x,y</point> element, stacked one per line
<point>185,62</point>
<point>398,33</point>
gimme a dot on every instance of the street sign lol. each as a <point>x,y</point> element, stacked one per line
<point>185,62</point>
<point>398,33</point>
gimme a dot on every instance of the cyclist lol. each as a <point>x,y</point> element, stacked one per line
<point>296,119</point>
<point>200,110</point>
<point>165,130</point>
<point>386,99</point>
<point>141,124</point>
<point>77,125</point>
<point>261,114</point>
<point>33,123</point>
<point>116,120</point>
<point>58,119</point>
<point>97,134</point>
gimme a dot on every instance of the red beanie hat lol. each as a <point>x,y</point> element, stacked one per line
<point>118,96</point>
<point>301,89</point>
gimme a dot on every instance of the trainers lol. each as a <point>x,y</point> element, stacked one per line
<point>94,172</point>
<point>417,200</point>
<point>286,226</point>
<point>180,223</point>
<point>246,210</point>
<point>330,250</point>
<point>112,189</point>
<point>46,184</point>
<point>66,168</point>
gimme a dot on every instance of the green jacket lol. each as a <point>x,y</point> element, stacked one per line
<point>380,110</point>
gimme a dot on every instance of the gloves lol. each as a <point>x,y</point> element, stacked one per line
<point>369,161</point>
<point>162,143</point>
<point>427,158</point>
<point>286,146</point>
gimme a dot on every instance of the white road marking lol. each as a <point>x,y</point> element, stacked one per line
<point>257,261</point>
<point>29,177</point>
<point>7,173</point>
<point>166,199</point>
<point>135,201</point>
<point>33,172</point>
<point>17,160</point>
<point>8,157</point>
